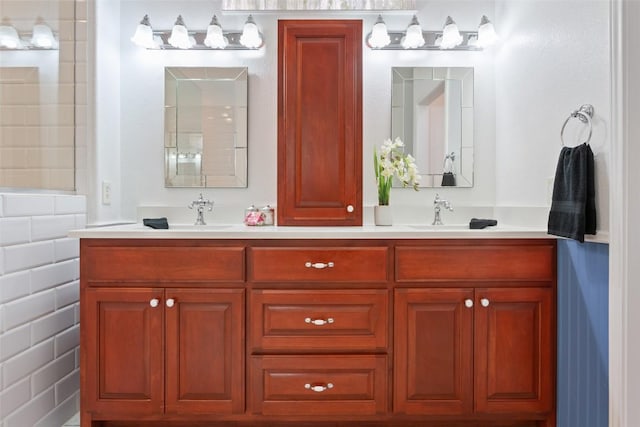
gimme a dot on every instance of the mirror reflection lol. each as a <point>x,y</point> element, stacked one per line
<point>206,127</point>
<point>432,112</point>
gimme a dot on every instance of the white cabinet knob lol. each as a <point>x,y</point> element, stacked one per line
<point>170,302</point>
<point>350,208</point>
<point>154,302</point>
<point>468,303</point>
<point>484,302</point>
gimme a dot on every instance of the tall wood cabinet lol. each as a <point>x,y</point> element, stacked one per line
<point>320,122</point>
<point>316,333</point>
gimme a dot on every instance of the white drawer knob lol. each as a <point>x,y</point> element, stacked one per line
<point>484,302</point>
<point>318,265</point>
<point>154,302</point>
<point>170,302</point>
<point>350,208</point>
<point>468,303</point>
<point>318,388</point>
<point>318,322</point>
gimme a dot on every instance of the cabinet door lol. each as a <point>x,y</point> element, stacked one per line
<point>320,122</point>
<point>433,351</point>
<point>514,350</point>
<point>205,351</point>
<point>122,351</point>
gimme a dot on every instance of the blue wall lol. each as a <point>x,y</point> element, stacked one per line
<point>583,338</point>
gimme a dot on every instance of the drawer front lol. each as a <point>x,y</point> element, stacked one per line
<point>327,385</point>
<point>471,263</point>
<point>357,264</point>
<point>163,263</point>
<point>319,321</point>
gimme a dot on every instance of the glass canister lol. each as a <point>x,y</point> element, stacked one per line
<point>268,213</point>
<point>250,215</point>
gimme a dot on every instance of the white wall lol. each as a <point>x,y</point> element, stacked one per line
<point>141,88</point>
<point>554,58</point>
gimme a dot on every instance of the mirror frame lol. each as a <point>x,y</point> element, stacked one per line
<point>463,162</point>
<point>236,115</point>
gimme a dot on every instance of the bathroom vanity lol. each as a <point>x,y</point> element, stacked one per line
<point>263,329</point>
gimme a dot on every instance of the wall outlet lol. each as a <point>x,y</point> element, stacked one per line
<point>106,193</point>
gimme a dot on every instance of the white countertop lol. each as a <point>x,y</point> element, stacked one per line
<point>239,231</point>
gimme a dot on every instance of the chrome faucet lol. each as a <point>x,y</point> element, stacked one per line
<point>200,204</point>
<point>438,203</point>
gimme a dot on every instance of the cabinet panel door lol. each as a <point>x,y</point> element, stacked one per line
<point>320,122</point>
<point>433,335</point>
<point>514,350</point>
<point>122,351</point>
<point>205,351</point>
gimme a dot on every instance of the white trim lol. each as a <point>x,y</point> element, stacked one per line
<point>618,209</point>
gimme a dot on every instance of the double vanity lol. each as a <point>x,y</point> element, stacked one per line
<point>320,326</point>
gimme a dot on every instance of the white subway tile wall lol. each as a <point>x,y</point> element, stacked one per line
<point>39,102</point>
<point>39,313</point>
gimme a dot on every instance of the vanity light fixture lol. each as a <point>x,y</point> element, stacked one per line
<point>9,37</point>
<point>213,38</point>
<point>180,37</point>
<point>449,38</point>
<point>413,37</point>
<point>42,37</point>
<point>251,37</point>
<point>379,36</point>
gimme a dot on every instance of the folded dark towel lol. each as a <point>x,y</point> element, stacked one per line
<point>159,223</point>
<point>573,206</point>
<point>477,224</point>
<point>448,179</point>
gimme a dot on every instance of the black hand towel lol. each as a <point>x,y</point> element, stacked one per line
<point>573,206</point>
<point>158,223</point>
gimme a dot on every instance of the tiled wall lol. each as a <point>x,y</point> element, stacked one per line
<point>43,97</point>
<point>39,313</point>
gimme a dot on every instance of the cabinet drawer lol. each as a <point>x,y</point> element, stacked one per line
<point>330,264</point>
<point>327,385</point>
<point>163,263</point>
<point>483,262</point>
<point>319,321</point>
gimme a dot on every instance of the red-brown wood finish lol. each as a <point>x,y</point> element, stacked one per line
<point>433,351</point>
<point>404,348</point>
<point>122,352</point>
<point>514,350</point>
<point>330,321</point>
<point>204,351</point>
<point>319,386</point>
<point>320,122</point>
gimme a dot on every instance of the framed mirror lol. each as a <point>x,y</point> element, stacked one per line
<point>205,123</point>
<point>432,112</point>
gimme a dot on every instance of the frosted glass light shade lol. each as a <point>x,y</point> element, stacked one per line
<point>250,37</point>
<point>42,37</point>
<point>451,36</point>
<point>9,37</point>
<point>143,36</point>
<point>379,37</point>
<point>215,38</point>
<point>180,35</point>
<point>413,37</point>
<point>486,33</point>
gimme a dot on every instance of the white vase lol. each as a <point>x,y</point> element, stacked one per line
<point>382,215</point>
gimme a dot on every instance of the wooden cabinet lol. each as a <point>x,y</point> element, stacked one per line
<point>352,332</point>
<point>320,122</point>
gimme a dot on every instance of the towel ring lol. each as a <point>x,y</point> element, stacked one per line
<point>584,114</point>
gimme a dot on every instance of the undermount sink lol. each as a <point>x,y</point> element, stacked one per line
<point>444,227</point>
